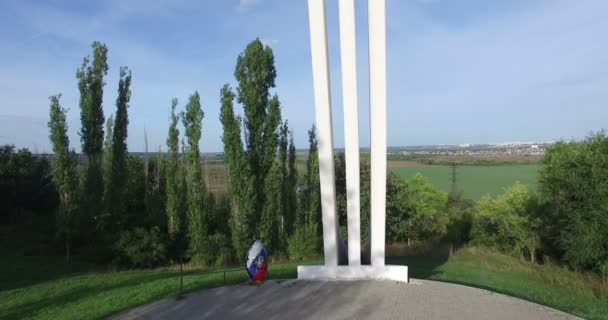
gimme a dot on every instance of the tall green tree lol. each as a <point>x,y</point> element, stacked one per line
<point>198,217</point>
<point>248,167</point>
<point>116,201</point>
<point>313,185</point>
<point>90,85</point>
<point>155,191</point>
<point>340,182</point>
<point>574,187</point>
<point>271,231</point>
<point>65,174</point>
<point>173,176</point>
<point>107,153</point>
<point>291,188</point>
<point>283,194</point>
<point>365,194</point>
<point>241,184</point>
<point>309,216</point>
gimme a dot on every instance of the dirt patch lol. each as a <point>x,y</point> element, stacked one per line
<point>402,164</point>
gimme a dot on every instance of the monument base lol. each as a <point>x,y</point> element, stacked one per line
<point>387,272</point>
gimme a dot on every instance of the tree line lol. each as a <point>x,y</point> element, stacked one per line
<point>146,212</point>
<point>114,207</point>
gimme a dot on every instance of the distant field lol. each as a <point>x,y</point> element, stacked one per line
<point>474,181</point>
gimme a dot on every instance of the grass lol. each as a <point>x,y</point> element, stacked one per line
<point>581,294</point>
<point>475,181</point>
<point>98,294</point>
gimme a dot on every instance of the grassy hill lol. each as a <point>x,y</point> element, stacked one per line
<point>89,294</point>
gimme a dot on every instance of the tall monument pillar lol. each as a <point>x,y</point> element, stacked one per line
<point>348,54</point>
<point>377,114</point>
<point>322,92</point>
<point>377,94</point>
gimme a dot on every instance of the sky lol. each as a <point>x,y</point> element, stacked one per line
<point>467,71</point>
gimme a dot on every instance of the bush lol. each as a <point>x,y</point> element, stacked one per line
<point>302,244</point>
<point>142,248</point>
<point>574,186</point>
<point>218,250</point>
<point>509,221</point>
<point>459,227</point>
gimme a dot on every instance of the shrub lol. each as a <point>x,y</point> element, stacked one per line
<point>218,250</point>
<point>574,186</point>
<point>142,248</point>
<point>302,244</point>
<point>508,221</point>
<point>459,227</point>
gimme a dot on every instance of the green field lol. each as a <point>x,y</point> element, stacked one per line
<point>475,181</point>
<point>95,294</point>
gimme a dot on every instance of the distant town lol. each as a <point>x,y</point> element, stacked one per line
<point>503,148</point>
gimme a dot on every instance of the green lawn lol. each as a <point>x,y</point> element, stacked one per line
<point>585,295</point>
<point>475,181</point>
<point>98,294</point>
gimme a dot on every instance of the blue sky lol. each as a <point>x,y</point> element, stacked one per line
<point>468,71</point>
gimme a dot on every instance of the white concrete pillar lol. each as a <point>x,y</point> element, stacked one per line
<point>348,50</point>
<point>377,103</point>
<point>320,77</point>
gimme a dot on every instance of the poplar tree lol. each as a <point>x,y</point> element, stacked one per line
<point>116,201</point>
<point>271,232</point>
<point>312,188</point>
<point>241,185</point>
<point>249,164</point>
<point>65,174</point>
<point>173,176</point>
<point>291,189</point>
<point>107,151</point>
<point>198,218</point>
<point>283,214</point>
<point>90,85</point>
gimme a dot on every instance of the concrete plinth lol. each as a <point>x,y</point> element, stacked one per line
<point>385,272</point>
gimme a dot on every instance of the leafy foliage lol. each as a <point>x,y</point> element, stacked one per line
<point>25,185</point>
<point>271,219</point>
<point>90,78</point>
<point>173,177</point>
<point>508,221</point>
<point>115,195</point>
<point>249,164</point>
<point>428,216</point>
<point>303,243</point>
<point>415,210</point>
<point>65,175</point>
<point>90,84</point>
<point>142,248</point>
<point>241,186</point>
<point>309,206</point>
<point>574,187</point>
<point>155,190</point>
<point>290,187</point>
<point>198,218</point>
